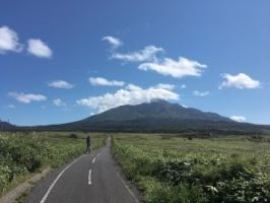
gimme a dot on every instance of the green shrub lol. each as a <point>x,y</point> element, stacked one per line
<point>5,176</point>
<point>233,173</point>
<point>73,135</point>
<point>22,154</point>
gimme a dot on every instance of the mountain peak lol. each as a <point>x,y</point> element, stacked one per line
<point>158,116</point>
<point>159,101</point>
<point>156,109</point>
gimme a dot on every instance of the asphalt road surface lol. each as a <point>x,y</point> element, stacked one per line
<point>90,178</point>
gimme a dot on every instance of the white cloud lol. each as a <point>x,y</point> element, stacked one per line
<point>131,94</point>
<point>240,81</point>
<point>177,69</point>
<point>27,98</point>
<point>200,94</point>
<point>39,48</point>
<point>149,53</point>
<point>59,102</point>
<point>149,59</point>
<point>183,86</point>
<point>113,41</point>
<point>99,81</point>
<point>185,106</point>
<point>165,86</point>
<point>9,40</point>
<point>61,84</point>
<point>238,118</point>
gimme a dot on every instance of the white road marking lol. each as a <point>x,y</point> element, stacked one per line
<point>127,187</point>
<point>44,198</point>
<point>94,160</point>
<point>90,177</point>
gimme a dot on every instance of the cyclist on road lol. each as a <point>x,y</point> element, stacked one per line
<point>88,144</point>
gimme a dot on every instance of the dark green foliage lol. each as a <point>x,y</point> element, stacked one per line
<point>177,170</point>
<point>23,154</point>
<point>73,135</point>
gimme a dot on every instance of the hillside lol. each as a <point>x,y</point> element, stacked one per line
<point>156,110</point>
<point>158,116</point>
<point>6,126</point>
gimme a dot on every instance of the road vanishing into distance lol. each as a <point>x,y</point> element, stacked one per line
<point>93,178</point>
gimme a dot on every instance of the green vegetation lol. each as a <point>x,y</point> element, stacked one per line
<point>22,154</point>
<point>170,168</point>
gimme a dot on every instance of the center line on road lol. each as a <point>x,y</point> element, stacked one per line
<point>94,160</point>
<point>90,177</point>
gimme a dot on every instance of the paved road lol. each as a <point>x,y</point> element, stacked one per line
<point>89,179</point>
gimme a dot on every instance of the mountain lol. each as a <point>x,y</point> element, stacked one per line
<point>158,116</point>
<point>6,126</point>
<point>159,109</point>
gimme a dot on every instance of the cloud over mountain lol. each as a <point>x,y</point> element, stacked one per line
<point>130,94</point>
<point>239,119</point>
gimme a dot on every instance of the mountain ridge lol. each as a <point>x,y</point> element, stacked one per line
<point>159,116</point>
<point>5,126</point>
<point>160,109</point>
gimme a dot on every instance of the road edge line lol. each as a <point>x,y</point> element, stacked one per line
<point>44,198</point>
<point>128,189</point>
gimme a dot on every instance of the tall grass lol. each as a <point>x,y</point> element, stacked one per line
<point>24,153</point>
<point>174,169</point>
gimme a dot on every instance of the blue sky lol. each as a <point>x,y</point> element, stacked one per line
<point>62,60</point>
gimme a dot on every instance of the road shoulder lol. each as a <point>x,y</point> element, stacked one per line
<point>131,187</point>
<point>24,187</point>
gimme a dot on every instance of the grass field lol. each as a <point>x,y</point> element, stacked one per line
<point>169,168</point>
<point>22,154</point>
